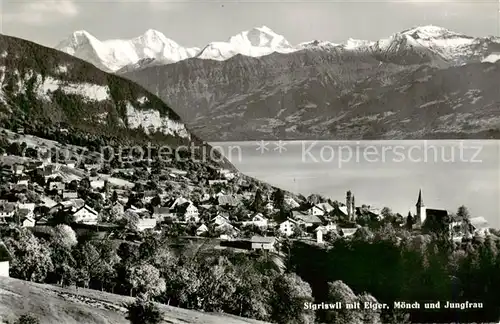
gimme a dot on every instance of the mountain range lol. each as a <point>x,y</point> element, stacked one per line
<point>43,90</point>
<point>420,83</point>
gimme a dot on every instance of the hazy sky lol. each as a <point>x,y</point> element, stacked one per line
<point>196,23</point>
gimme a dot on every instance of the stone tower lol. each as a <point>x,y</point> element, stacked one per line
<point>421,214</point>
<point>353,208</point>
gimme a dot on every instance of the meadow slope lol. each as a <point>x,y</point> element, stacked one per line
<point>52,304</point>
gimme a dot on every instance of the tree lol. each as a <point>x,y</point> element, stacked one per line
<point>386,233</point>
<point>144,312</point>
<point>114,196</point>
<point>363,234</point>
<point>27,319</point>
<point>340,292</point>
<point>88,259</point>
<point>278,199</point>
<point>64,264</point>
<point>258,203</point>
<point>287,302</point>
<point>146,281</point>
<point>409,221</point>
<point>387,215</point>
<point>463,215</point>
<point>253,290</point>
<point>65,235</point>
<point>31,258</point>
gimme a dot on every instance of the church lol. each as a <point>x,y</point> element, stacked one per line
<point>434,219</point>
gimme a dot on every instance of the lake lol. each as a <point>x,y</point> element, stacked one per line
<point>381,173</point>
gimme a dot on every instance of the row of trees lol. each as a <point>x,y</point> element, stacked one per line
<point>190,276</point>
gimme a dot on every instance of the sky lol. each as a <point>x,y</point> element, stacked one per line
<point>196,23</point>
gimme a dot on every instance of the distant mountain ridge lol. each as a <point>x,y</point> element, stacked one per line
<point>154,48</point>
<point>355,90</point>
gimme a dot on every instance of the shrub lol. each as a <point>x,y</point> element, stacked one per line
<point>143,312</point>
<point>27,319</point>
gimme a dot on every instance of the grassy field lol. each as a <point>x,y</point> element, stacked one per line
<point>57,305</point>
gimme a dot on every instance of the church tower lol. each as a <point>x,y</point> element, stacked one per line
<point>353,208</point>
<point>348,204</point>
<point>421,214</point>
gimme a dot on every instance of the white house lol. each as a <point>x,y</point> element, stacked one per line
<point>191,212</point>
<point>227,231</point>
<point>18,169</point>
<point>28,222</point>
<point>70,195</point>
<point>146,223</point>
<point>29,206</point>
<point>322,230</point>
<point>23,181</point>
<point>220,220</point>
<point>320,209</point>
<point>47,202</point>
<point>287,227</point>
<point>480,226</point>
<point>214,182</point>
<point>26,217</point>
<point>257,220</point>
<point>97,184</point>
<point>201,230</point>
<point>349,231</point>
<point>5,258</point>
<point>86,215</point>
<point>264,243</point>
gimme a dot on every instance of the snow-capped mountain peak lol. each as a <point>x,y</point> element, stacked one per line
<point>430,32</point>
<point>256,42</point>
<point>78,38</point>
<point>114,54</point>
<point>260,37</point>
<point>440,41</point>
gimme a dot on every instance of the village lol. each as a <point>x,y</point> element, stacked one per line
<point>135,197</point>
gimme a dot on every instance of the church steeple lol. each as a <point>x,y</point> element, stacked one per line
<point>420,201</point>
<point>421,210</point>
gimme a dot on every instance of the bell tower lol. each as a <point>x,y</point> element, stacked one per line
<point>421,214</point>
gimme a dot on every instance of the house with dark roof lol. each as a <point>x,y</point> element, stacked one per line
<point>26,217</point>
<point>160,213</point>
<point>228,201</point>
<point>86,215</point>
<point>306,219</point>
<point>5,258</point>
<point>320,209</point>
